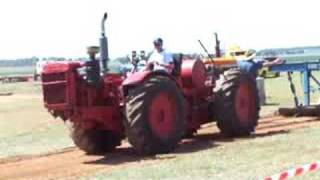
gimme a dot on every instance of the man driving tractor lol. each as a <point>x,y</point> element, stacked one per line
<point>160,59</point>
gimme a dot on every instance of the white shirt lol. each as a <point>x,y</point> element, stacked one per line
<point>163,57</point>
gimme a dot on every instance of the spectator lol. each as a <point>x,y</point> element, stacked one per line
<point>252,65</point>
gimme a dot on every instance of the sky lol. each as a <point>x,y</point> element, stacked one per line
<point>65,28</point>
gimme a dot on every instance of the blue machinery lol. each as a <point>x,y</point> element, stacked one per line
<point>306,69</point>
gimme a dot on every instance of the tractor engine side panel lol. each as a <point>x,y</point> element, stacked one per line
<point>67,95</point>
<point>100,106</point>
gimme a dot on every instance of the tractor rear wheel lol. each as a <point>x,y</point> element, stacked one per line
<point>155,112</point>
<point>94,141</point>
<point>237,106</point>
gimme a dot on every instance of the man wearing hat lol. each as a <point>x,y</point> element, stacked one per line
<point>160,58</point>
<point>252,65</point>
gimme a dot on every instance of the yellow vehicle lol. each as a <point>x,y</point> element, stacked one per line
<point>234,53</point>
<point>230,58</point>
<point>265,71</point>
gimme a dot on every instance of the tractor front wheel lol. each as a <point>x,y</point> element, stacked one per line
<point>155,112</point>
<point>237,106</point>
<point>94,141</point>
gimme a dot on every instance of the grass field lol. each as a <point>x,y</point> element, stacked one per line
<point>23,70</point>
<point>26,127</point>
<point>249,159</point>
<point>278,89</point>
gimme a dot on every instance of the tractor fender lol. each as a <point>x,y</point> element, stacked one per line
<point>193,74</point>
<point>139,77</point>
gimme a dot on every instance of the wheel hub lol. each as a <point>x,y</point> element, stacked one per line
<point>162,115</point>
<point>245,103</point>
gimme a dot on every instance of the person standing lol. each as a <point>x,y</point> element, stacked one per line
<point>252,65</point>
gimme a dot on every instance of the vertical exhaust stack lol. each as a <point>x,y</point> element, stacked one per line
<point>104,54</point>
<point>217,47</point>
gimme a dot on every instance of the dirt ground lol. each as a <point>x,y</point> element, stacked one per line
<point>71,163</point>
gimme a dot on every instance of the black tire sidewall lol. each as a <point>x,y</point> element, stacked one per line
<point>226,112</point>
<point>139,131</point>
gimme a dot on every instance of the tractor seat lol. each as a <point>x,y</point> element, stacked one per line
<point>177,61</point>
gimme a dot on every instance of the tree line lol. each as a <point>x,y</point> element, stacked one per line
<point>125,59</point>
<point>19,62</point>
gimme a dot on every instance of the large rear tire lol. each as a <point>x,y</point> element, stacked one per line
<point>155,115</point>
<point>237,106</point>
<point>94,141</point>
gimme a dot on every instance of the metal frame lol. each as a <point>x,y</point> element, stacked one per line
<point>306,68</point>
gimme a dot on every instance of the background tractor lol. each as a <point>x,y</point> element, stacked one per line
<point>233,54</point>
<point>153,109</point>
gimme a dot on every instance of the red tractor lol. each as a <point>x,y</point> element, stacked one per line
<point>153,109</point>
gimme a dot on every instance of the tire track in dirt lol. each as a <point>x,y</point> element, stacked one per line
<point>71,163</point>
<point>65,164</point>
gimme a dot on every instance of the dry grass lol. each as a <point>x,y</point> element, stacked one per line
<point>26,127</point>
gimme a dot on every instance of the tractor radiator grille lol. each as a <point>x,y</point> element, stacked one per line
<point>55,93</point>
<point>55,88</point>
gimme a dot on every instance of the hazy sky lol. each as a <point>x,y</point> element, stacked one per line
<point>66,27</point>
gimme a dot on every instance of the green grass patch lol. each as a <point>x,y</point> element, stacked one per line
<point>18,70</point>
<point>249,158</point>
<point>278,92</point>
<point>26,126</point>
<point>22,88</point>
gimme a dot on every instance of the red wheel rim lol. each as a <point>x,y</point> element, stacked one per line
<point>245,103</point>
<point>162,115</point>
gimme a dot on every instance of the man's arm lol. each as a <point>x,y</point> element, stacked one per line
<point>167,61</point>
<point>169,65</point>
<point>273,62</point>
